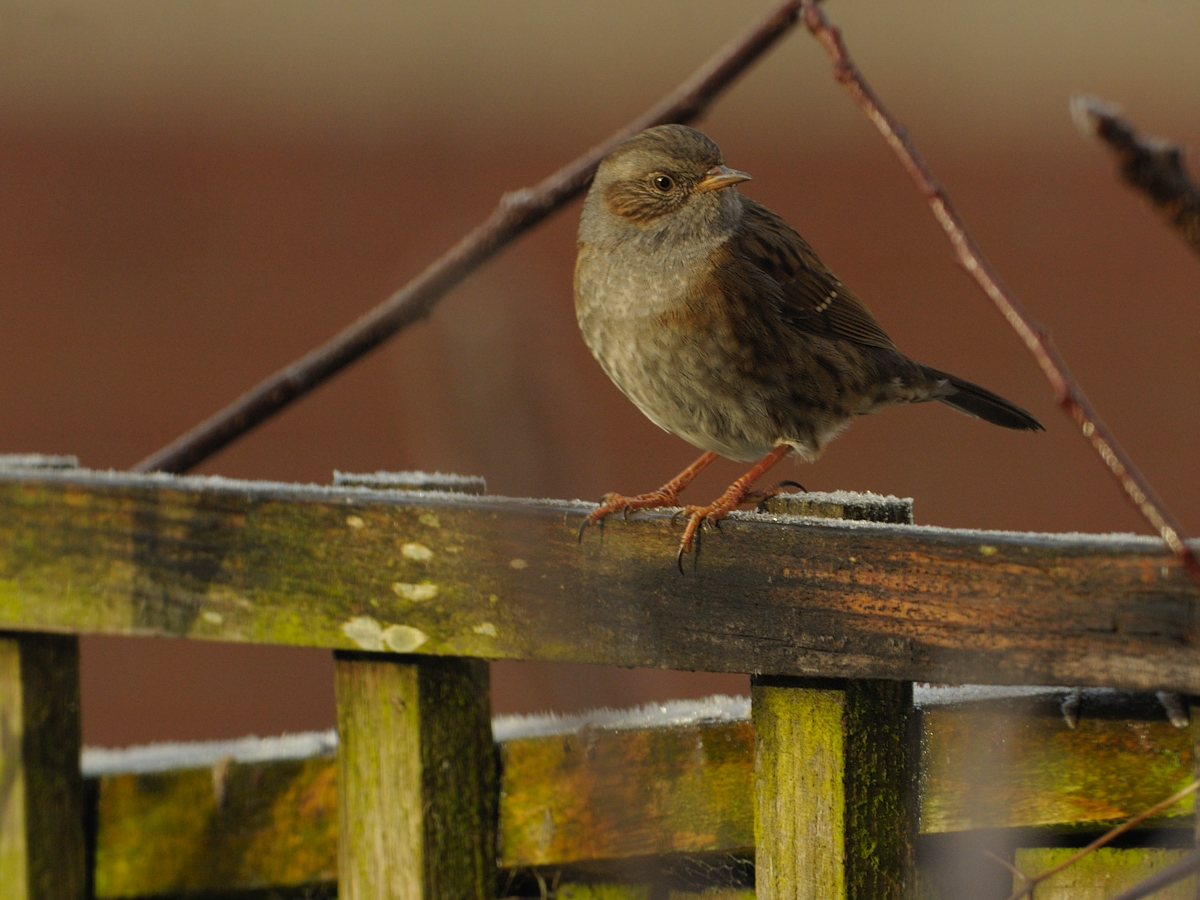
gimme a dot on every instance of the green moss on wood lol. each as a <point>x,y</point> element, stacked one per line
<point>41,790</point>
<point>799,777</point>
<point>417,779</point>
<point>984,770</point>
<point>1101,874</point>
<point>582,891</point>
<point>263,563</point>
<point>236,826</point>
<point>881,745</point>
<point>603,795</point>
<point>607,795</point>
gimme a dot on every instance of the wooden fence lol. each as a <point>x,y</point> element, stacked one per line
<point>822,790</point>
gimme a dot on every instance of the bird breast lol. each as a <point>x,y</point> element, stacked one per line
<point>666,342</point>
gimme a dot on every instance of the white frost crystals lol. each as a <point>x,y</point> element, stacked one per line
<point>370,635</point>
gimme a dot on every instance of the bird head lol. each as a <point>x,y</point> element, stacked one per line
<point>667,178</point>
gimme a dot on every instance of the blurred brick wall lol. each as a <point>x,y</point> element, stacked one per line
<point>160,261</point>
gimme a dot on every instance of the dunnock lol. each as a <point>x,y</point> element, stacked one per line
<point>723,326</point>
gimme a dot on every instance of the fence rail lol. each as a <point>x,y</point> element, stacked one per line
<point>492,577</point>
<point>592,794</point>
<point>833,618</point>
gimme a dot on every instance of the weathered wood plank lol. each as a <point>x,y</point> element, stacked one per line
<point>610,891</point>
<point>1101,874</point>
<point>835,798</point>
<point>232,827</point>
<point>983,770</point>
<point>42,853</point>
<point>494,578</point>
<point>416,779</point>
<point>598,795</point>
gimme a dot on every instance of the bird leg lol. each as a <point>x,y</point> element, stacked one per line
<point>735,495</point>
<point>664,496</point>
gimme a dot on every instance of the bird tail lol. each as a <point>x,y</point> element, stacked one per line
<point>983,404</point>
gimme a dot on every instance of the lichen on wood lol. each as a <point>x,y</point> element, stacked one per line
<point>416,777</point>
<point>597,795</point>
<point>1102,873</point>
<point>268,563</point>
<point>42,854</point>
<point>835,794</point>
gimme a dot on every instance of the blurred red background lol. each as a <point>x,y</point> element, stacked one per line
<point>194,195</point>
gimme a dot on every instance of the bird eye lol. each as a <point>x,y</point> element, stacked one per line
<point>663,183</point>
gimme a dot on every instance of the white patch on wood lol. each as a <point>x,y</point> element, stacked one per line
<point>404,638</point>
<point>355,522</point>
<point>519,564</point>
<point>365,632</point>
<point>415,592</point>
<point>417,552</point>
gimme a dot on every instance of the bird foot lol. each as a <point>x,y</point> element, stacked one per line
<point>611,503</point>
<point>761,497</point>
<point>711,515</point>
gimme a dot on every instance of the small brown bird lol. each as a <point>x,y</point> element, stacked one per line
<point>723,326</point>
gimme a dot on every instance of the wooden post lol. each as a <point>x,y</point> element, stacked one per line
<point>417,788</point>
<point>835,790</point>
<point>834,793</point>
<point>42,854</point>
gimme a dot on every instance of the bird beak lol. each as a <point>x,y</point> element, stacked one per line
<point>720,177</point>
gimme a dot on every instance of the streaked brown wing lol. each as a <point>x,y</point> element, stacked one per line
<point>810,297</point>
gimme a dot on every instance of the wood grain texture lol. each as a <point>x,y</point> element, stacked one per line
<point>604,795</point>
<point>611,891</point>
<point>599,795</point>
<point>42,854</point>
<point>232,827</point>
<point>983,770</point>
<point>835,792</point>
<point>416,779</point>
<point>1101,874</point>
<point>494,578</point>
<point>799,793</point>
<point>882,746</point>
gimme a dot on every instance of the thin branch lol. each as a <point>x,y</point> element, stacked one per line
<point>517,212</point>
<point>1067,393</point>
<point>1155,166</point>
<point>1105,838</point>
<point>1189,865</point>
<point>1025,879</point>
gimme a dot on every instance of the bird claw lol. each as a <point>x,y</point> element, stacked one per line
<point>587,520</point>
<point>690,540</point>
<point>613,502</point>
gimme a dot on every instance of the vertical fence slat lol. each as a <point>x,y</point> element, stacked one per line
<point>835,798</point>
<point>835,766</point>
<point>417,785</point>
<point>42,855</point>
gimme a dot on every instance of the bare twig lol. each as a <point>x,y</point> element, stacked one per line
<point>1189,865</point>
<point>1107,837</point>
<point>1067,392</point>
<point>517,213</point>
<point>1025,879</point>
<point>1155,166</point>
